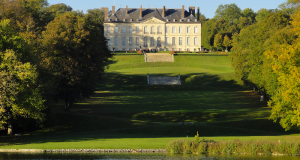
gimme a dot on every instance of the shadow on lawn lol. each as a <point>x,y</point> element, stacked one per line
<point>133,109</point>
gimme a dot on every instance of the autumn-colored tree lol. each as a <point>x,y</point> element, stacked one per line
<point>226,42</point>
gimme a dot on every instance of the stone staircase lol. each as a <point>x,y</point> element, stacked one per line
<point>159,80</point>
<point>159,57</point>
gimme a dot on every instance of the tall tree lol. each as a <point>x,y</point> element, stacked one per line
<point>226,42</point>
<point>229,12</point>
<point>75,54</point>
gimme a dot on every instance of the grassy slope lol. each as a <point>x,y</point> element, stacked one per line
<point>127,113</point>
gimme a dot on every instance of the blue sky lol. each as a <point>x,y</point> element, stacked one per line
<point>207,7</point>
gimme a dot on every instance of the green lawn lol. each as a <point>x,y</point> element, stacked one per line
<point>125,112</point>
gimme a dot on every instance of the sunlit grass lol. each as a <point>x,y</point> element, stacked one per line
<point>125,112</point>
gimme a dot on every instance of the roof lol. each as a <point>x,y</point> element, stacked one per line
<point>133,16</point>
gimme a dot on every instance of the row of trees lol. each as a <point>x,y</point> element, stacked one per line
<point>47,53</point>
<point>266,56</point>
<point>229,19</point>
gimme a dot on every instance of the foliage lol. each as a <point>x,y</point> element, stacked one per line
<point>75,55</point>
<point>229,12</point>
<point>289,7</point>
<point>262,13</point>
<point>19,93</point>
<point>226,42</point>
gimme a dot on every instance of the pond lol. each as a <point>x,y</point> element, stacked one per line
<point>135,156</point>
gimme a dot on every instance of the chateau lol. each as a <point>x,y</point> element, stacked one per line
<point>153,28</point>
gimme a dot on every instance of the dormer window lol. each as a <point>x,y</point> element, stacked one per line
<point>189,20</point>
<point>174,20</point>
<point>181,20</point>
<point>130,20</point>
<point>168,20</point>
<point>116,19</point>
<point>137,20</point>
<point>124,20</point>
<point>196,20</point>
<point>108,19</point>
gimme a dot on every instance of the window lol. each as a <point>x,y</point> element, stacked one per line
<point>188,41</point>
<point>173,29</point>
<point>188,49</point>
<point>158,42</point>
<point>180,40</point>
<point>124,29</point>
<point>195,41</point>
<point>137,29</point>
<point>116,29</point>
<point>124,41</point>
<point>188,30</point>
<point>137,41</point>
<point>167,30</point>
<point>158,30</point>
<point>173,41</point>
<point>167,41</point>
<point>108,29</point>
<point>195,30</point>
<point>179,49</point>
<point>146,30</point>
<point>130,29</point>
<point>151,41</point>
<point>152,30</point>
<point>116,41</point>
<point>108,41</point>
<point>130,41</point>
<point>180,29</point>
<point>145,42</point>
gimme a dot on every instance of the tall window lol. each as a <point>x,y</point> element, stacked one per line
<point>108,29</point>
<point>137,41</point>
<point>167,41</point>
<point>124,29</point>
<point>116,41</point>
<point>146,30</point>
<point>173,29</point>
<point>116,29</point>
<point>130,41</point>
<point>158,42</point>
<point>151,41</point>
<point>130,29</point>
<point>167,30</point>
<point>152,30</point>
<point>195,30</point>
<point>180,40</point>
<point>173,41</point>
<point>188,30</point>
<point>188,41</point>
<point>137,29</point>
<point>145,42</point>
<point>124,41</point>
<point>195,41</point>
<point>108,41</point>
<point>180,29</point>
<point>158,30</point>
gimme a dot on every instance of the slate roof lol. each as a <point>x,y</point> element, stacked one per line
<point>134,14</point>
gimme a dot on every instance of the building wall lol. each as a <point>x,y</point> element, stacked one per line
<point>142,34</point>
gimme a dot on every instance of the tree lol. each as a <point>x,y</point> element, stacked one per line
<point>75,55</point>
<point>285,63</point>
<point>262,13</point>
<point>229,12</point>
<point>289,7</point>
<point>226,42</point>
<point>19,93</point>
<point>218,41</point>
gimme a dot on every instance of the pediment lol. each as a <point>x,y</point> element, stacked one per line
<point>153,20</point>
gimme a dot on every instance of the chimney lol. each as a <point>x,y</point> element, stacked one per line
<point>192,10</point>
<point>164,12</point>
<point>141,12</point>
<point>113,9</point>
<point>126,10</point>
<point>182,13</point>
<point>105,13</point>
<point>198,12</point>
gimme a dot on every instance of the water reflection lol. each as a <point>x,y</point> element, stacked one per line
<point>137,156</point>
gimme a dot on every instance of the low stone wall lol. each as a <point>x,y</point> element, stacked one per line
<point>85,150</point>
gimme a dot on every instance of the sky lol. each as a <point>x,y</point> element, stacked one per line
<point>207,7</point>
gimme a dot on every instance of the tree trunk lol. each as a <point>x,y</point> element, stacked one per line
<point>67,105</point>
<point>10,129</point>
